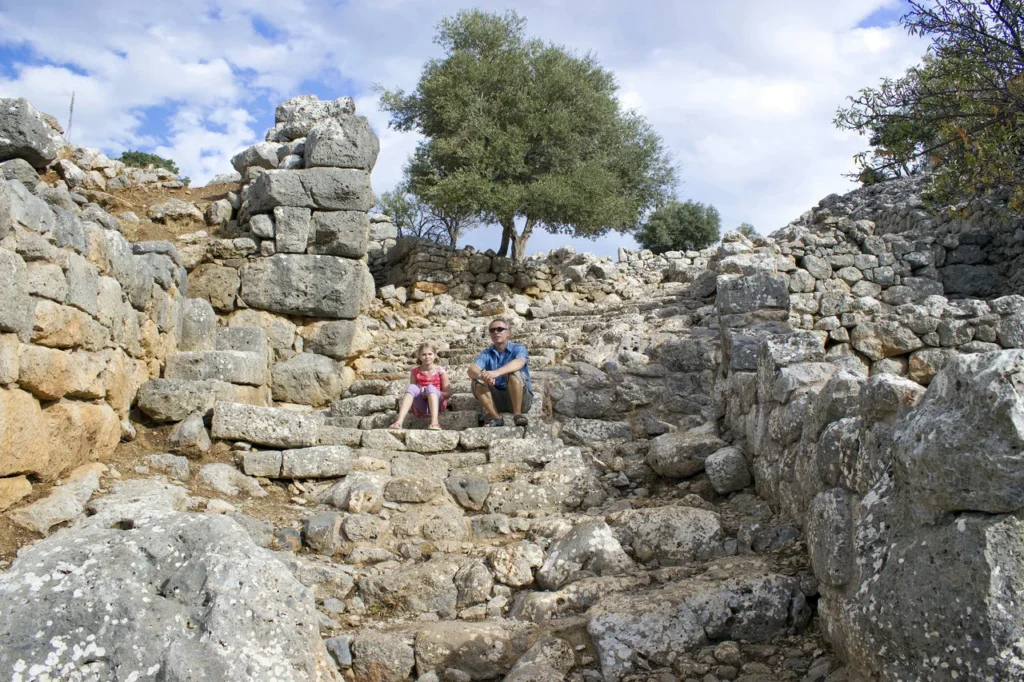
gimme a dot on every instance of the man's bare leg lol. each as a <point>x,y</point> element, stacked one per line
<point>515,394</point>
<point>483,395</point>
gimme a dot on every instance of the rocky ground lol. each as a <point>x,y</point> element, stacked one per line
<point>552,552</point>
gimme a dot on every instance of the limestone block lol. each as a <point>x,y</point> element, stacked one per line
<point>15,304</point>
<point>291,229</point>
<point>78,433</point>
<point>727,470</point>
<point>682,454</point>
<point>60,326</point>
<point>64,503</point>
<point>382,656</point>
<point>83,284</point>
<point>483,651</point>
<point>269,426</point>
<point>215,283</point>
<point>341,339</point>
<point>343,142</point>
<point>12,490</point>
<point>884,338</point>
<point>266,463</point>
<point>10,358</point>
<point>245,339</point>
<point>959,450</point>
<point>189,437</point>
<point>362,405</point>
<point>673,536</point>
<point>340,233</point>
<point>172,400</point>
<point>324,189</point>
<point>830,537</point>
<point>198,326</point>
<point>122,571</point>
<point>46,280</point>
<point>23,436</point>
<point>308,285</point>
<point>280,332</point>
<point>733,603</point>
<point>308,379</point>
<point>431,441</point>
<point>588,549</point>
<point>262,226</point>
<point>51,374</point>
<point>322,461</point>
<point>259,155</point>
<point>228,480</point>
<point>322,532</point>
<point>24,134</point>
<point>236,367</point>
<point>412,489</point>
<point>751,293</point>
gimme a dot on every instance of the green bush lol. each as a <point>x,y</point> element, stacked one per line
<point>137,159</point>
<point>679,226</point>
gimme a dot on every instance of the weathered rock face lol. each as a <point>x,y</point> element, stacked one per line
<point>25,134</point>
<point>313,286</point>
<point>175,574</point>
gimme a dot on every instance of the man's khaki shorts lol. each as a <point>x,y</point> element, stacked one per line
<point>502,399</point>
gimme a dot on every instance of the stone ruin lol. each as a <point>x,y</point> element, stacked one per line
<point>792,458</point>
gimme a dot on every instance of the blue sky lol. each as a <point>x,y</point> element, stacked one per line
<point>743,93</point>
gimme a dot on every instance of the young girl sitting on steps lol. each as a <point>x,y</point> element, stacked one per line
<point>428,388</point>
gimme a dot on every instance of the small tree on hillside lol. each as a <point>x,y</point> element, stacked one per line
<point>415,218</point>
<point>679,226</point>
<point>519,129</point>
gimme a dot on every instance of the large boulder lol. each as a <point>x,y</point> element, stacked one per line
<point>321,189</point>
<point>740,600</point>
<point>344,142</point>
<point>15,304</point>
<point>962,448</point>
<point>172,576</point>
<point>682,454</point>
<point>24,134</point>
<point>308,379</point>
<point>588,549</point>
<point>311,286</point>
<point>296,117</point>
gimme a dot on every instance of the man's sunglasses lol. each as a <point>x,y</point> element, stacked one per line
<point>495,330</point>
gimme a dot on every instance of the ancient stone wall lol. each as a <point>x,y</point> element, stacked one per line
<point>85,318</point>
<point>830,333</point>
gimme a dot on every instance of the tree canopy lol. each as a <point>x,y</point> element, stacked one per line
<point>138,159</point>
<point>680,226</point>
<point>518,129</point>
<point>960,112</point>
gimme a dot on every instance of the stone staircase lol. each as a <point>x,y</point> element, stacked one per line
<point>554,551</point>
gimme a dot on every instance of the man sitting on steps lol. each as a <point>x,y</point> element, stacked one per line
<point>501,376</point>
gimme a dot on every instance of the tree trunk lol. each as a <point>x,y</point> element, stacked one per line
<point>508,228</point>
<point>519,241</point>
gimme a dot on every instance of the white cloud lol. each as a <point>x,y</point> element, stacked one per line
<point>742,92</point>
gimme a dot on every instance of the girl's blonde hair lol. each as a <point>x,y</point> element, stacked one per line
<point>426,344</point>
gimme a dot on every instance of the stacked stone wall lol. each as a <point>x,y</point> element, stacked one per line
<point>858,347</point>
<point>85,318</point>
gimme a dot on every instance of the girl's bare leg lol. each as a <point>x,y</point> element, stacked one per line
<point>433,401</point>
<point>403,410</point>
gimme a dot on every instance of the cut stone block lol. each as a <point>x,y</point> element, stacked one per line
<point>324,461</point>
<point>269,426</point>
<point>311,286</point>
<point>431,441</point>
<point>291,229</point>
<point>236,367</point>
<point>330,189</point>
<point>265,463</point>
<point>340,233</point>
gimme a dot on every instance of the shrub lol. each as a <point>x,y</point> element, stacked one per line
<point>678,226</point>
<point>137,159</point>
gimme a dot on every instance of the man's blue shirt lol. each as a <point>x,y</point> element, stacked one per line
<point>491,359</point>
